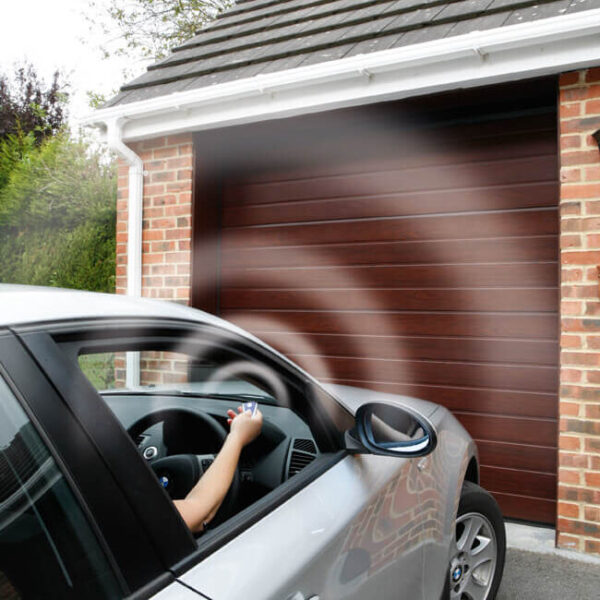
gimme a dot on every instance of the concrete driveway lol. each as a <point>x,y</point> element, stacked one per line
<point>535,570</point>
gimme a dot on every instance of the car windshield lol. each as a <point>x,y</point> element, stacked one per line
<point>161,372</point>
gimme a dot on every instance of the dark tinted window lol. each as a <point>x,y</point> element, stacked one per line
<point>47,547</point>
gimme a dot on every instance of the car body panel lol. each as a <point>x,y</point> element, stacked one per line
<point>343,536</point>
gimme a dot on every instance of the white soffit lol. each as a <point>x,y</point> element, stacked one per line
<point>478,58</point>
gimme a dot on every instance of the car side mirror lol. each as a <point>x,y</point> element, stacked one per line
<point>390,430</point>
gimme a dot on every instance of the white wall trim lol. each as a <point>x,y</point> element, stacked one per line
<point>503,54</point>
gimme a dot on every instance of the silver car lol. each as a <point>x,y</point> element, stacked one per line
<point>111,407</point>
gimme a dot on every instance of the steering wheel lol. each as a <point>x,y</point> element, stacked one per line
<point>179,473</point>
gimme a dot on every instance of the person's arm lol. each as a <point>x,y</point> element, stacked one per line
<point>205,498</point>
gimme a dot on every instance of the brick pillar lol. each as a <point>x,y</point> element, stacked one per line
<point>167,218</point>
<point>578,523</point>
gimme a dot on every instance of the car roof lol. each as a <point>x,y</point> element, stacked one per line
<point>27,305</point>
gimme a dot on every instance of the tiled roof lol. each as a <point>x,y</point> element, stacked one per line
<point>264,36</point>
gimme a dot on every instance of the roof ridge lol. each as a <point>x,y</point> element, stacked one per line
<point>355,39</point>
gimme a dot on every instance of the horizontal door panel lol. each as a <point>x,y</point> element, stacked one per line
<point>527,508</point>
<point>518,430</point>
<point>510,249</point>
<point>487,300</point>
<point>391,276</point>
<point>491,224</point>
<point>512,377</point>
<point>420,178</point>
<point>517,456</point>
<point>441,324</point>
<point>529,483</point>
<point>392,204</point>
<point>521,352</point>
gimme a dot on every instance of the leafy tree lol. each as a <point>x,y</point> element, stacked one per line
<point>148,29</point>
<point>57,217</point>
<point>28,105</point>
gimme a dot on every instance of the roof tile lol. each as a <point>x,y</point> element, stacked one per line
<point>265,36</point>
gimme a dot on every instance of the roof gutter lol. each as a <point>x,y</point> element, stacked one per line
<point>114,138</point>
<point>478,58</point>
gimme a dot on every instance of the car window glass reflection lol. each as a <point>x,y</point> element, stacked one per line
<point>174,371</point>
<point>47,548</point>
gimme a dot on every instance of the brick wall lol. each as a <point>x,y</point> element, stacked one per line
<point>167,218</point>
<point>578,524</point>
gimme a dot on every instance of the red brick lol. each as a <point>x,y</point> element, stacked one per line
<point>592,207</point>
<point>179,186</point>
<point>180,138</point>
<point>592,445</point>
<point>168,152</point>
<point>570,341</point>
<point>571,174</point>
<point>162,176</point>
<point>165,223</point>
<point>582,359</point>
<point>580,291</point>
<point>153,190</point>
<point>593,377</point>
<point>154,143</point>
<point>569,209</point>
<point>592,547</point>
<point>571,274</point>
<point>592,173</point>
<point>570,375</point>
<point>179,163</point>
<point>565,476</point>
<point>571,308</point>
<point>569,408</point>
<point>592,75</point>
<point>178,257</point>
<point>173,211</point>
<point>566,509</point>
<point>569,442</point>
<point>178,234</point>
<point>186,150</point>
<point>152,259</point>
<point>579,158</point>
<point>593,240</point>
<point>570,78</point>
<point>570,241</point>
<point>592,479</point>
<point>588,190</point>
<point>592,107</point>
<point>567,541</point>
<point>149,235</point>
<point>591,513</point>
<point>578,461</point>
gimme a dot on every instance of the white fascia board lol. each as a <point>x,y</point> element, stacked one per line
<point>477,58</point>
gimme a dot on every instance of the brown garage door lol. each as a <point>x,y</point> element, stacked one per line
<point>423,263</point>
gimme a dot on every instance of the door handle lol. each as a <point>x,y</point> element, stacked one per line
<point>301,596</point>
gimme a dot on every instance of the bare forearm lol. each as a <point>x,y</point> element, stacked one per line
<point>206,496</point>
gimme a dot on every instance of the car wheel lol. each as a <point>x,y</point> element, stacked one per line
<point>479,548</point>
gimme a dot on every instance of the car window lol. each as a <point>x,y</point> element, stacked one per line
<point>47,547</point>
<point>174,371</point>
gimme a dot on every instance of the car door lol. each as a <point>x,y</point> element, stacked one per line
<point>75,535</point>
<point>352,533</point>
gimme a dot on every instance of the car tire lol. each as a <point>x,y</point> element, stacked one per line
<point>479,547</point>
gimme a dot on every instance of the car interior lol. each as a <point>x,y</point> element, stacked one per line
<point>174,406</point>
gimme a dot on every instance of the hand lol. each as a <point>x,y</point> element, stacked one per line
<point>245,427</point>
